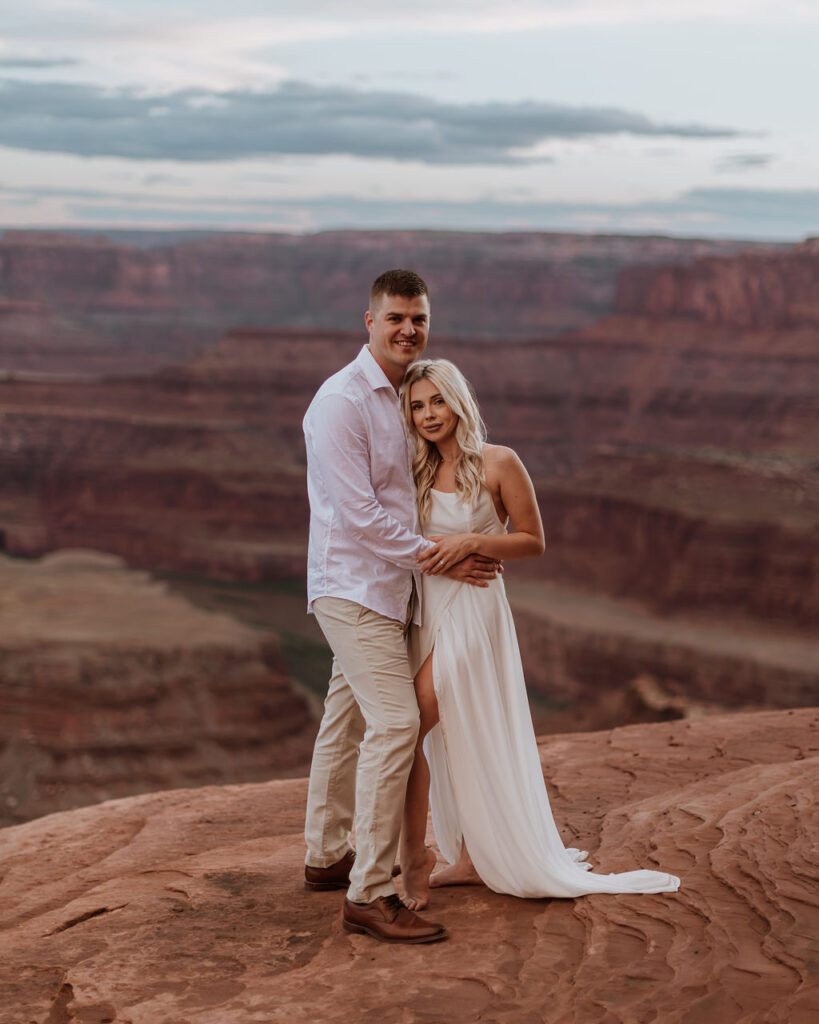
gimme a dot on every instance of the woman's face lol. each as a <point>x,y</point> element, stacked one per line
<point>431,416</point>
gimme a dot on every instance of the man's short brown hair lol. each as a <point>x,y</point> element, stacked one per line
<point>405,283</point>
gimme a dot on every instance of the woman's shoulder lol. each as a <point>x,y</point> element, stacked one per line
<point>499,465</point>
<point>498,456</point>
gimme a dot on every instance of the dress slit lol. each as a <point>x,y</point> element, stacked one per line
<point>487,782</point>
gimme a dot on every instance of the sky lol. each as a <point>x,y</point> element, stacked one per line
<point>683,117</point>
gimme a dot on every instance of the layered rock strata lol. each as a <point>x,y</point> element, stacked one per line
<point>750,291</point>
<point>111,685</point>
<point>593,662</point>
<point>133,301</point>
<point>693,459</point>
<point>673,446</point>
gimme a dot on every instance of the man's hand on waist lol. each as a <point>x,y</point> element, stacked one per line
<point>476,570</point>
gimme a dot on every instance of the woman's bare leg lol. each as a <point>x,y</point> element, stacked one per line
<point>417,861</point>
<point>461,873</point>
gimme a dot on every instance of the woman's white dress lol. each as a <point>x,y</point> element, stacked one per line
<point>487,783</point>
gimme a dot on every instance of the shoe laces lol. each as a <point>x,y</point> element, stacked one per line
<point>393,903</point>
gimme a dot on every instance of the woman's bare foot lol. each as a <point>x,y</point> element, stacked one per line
<point>462,873</point>
<point>416,881</point>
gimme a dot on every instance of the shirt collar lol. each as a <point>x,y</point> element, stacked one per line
<point>376,377</point>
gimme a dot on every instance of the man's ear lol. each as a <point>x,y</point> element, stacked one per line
<point>368,319</point>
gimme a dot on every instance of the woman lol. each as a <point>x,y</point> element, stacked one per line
<point>490,810</point>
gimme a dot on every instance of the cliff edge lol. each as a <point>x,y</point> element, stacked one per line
<point>186,907</point>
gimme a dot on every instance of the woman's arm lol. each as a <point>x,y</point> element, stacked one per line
<point>518,497</point>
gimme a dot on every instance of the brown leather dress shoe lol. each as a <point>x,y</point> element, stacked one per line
<point>389,920</point>
<point>337,876</point>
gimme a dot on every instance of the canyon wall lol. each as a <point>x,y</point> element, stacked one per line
<point>111,685</point>
<point>673,445</point>
<point>595,661</point>
<point>750,291</point>
<point>669,469</point>
<point>79,303</point>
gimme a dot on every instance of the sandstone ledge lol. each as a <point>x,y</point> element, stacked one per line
<point>186,907</point>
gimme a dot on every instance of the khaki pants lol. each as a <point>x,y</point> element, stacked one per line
<point>371,702</point>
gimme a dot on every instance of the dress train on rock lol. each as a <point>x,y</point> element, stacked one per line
<point>487,783</point>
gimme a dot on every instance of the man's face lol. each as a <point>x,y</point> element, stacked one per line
<point>398,330</point>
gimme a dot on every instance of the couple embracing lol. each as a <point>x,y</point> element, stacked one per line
<point>426,703</point>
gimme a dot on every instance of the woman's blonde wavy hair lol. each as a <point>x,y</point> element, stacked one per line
<point>470,433</point>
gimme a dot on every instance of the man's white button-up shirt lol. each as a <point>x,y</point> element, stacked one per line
<point>364,535</point>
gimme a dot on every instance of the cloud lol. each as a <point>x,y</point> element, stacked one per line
<point>744,161</point>
<point>795,211</point>
<point>259,21</point>
<point>774,214</point>
<point>164,179</point>
<point>34,63</point>
<point>201,125</point>
<point>255,43</point>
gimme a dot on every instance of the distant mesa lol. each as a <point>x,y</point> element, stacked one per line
<point>134,301</point>
<point>752,291</point>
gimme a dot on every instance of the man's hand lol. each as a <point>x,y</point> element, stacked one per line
<point>446,551</point>
<point>476,570</point>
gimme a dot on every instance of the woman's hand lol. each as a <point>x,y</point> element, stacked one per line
<point>446,551</point>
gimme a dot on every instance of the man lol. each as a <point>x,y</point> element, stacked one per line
<point>364,544</point>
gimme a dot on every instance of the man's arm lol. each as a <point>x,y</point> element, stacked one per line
<point>341,447</point>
